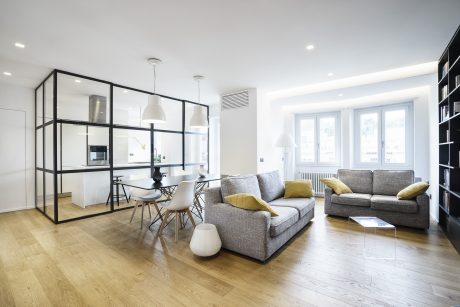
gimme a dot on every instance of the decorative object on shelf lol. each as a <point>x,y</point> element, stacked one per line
<point>444,92</point>
<point>447,201</point>
<point>445,69</point>
<point>199,118</point>
<point>202,171</point>
<point>286,142</point>
<point>456,107</point>
<point>205,240</point>
<point>444,113</point>
<point>157,175</point>
<point>447,136</point>
<point>446,178</point>
<point>154,113</point>
<point>457,80</point>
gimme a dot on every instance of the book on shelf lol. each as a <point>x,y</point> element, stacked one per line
<point>447,201</point>
<point>447,136</point>
<point>457,80</point>
<point>445,69</point>
<point>444,92</point>
<point>444,113</point>
<point>446,178</point>
<point>456,107</point>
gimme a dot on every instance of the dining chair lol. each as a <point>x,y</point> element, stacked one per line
<point>179,204</point>
<point>146,197</point>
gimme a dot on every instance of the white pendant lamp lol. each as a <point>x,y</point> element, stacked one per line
<point>199,118</point>
<point>154,113</point>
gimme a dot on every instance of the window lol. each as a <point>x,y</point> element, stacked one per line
<point>384,137</point>
<point>318,139</point>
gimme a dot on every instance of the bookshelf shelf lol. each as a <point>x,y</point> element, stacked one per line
<point>449,135</point>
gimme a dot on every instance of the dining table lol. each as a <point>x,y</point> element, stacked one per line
<point>168,185</point>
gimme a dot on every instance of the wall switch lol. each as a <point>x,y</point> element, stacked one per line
<point>261,159</point>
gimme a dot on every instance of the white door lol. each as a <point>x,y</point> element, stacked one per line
<point>12,160</point>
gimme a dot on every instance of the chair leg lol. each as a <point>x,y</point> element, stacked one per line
<point>190,217</point>
<point>142,214</point>
<point>163,223</point>
<point>177,226</point>
<point>150,211</point>
<point>158,210</point>
<point>134,211</point>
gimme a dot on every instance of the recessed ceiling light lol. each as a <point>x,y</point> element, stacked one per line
<point>340,95</point>
<point>20,45</point>
<point>125,91</point>
<point>7,73</point>
<point>310,47</point>
<point>330,74</point>
<point>77,81</point>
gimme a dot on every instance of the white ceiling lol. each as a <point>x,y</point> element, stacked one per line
<point>236,44</point>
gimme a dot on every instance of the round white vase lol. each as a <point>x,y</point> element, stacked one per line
<point>205,240</point>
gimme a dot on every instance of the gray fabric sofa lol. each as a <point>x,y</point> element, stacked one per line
<point>374,194</point>
<point>255,233</point>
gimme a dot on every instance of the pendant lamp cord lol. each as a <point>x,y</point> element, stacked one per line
<point>199,91</point>
<point>154,78</point>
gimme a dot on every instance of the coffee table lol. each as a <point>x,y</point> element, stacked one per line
<point>375,238</point>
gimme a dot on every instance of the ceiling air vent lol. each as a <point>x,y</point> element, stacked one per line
<point>235,100</point>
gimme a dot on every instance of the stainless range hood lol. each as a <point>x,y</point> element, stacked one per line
<point>97,109</point>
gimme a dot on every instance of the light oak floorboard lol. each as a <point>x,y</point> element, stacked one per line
<point>106,261</point>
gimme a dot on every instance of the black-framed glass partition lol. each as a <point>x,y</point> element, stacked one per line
<point>89,131</point>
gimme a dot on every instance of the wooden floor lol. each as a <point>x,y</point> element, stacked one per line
<point>105,261</point>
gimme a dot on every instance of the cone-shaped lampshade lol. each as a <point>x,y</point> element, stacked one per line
<point>199,118</point>
<point>154,113</point>
<point>285,140</point>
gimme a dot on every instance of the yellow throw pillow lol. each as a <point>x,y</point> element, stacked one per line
<point>249,202</point>
<point>335,184</point>
<point>298,189</point>
<point>413,190</point>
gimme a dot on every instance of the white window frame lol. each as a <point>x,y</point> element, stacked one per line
<point>409,136</point>
<point>316,117</point>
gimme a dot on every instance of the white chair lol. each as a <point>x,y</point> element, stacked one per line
<point>180,203</point>
<point>147,197</point>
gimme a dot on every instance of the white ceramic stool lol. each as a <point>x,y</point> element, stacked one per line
<point>205,240</point>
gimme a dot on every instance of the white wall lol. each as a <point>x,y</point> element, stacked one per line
<point>19,98</point>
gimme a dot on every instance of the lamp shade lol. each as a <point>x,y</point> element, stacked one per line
<point>154,113</point>
<point>199,118</point>
<point>285,140</point>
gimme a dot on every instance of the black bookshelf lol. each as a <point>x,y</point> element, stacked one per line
<point>449,140</point>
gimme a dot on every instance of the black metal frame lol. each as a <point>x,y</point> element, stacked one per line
<point>111,126</point>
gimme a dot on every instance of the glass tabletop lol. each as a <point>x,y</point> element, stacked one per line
<point>169,181</point>
<point>371,222</point>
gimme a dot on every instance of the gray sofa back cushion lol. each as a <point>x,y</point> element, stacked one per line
<point>359,181</point>
<point>241,184</point>
<point>391,182</point>
<point>271,186</point>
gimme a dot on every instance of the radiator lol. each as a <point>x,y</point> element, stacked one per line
<point>318,186</point>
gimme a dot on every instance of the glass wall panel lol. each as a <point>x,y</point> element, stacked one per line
<point>83,194</point>
<point>39,106</point>
<point>131,147</point>
<point>82,147</point>
<point>49,147</point>
<point>83,99</point>
<point>39,190</point>
<point>173,114</point>
<point>168,148</point>
<point>128,106</point>
<point>39,147</point>
<point>189,109</point>
<point>49,88</point>
<point>49,195</point>
<point>196,148</point>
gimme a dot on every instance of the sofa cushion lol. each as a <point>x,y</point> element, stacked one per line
<point>359,181</point>
<point>242,184</point>
<point>271,186</point>
<point>391,182</point>
<point>249,202</point>
<point>392,203</point>
<point>413,190</point>
<point>287,217</point>
<point>352,199</point>
<point>303,205</point>
<point>336,185</point>
<point>299,188</point>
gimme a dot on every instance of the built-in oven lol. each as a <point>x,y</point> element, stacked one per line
<point>98,155</point>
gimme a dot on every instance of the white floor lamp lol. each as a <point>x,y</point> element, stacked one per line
<point>285,141</point>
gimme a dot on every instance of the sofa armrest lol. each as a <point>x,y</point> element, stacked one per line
<point>212,196</point>
<point>423,202</point>
<point>243,231</point>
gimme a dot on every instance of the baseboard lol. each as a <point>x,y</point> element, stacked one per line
<point>15,209</point>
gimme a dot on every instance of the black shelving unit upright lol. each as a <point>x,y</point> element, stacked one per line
<point>449,140</point>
